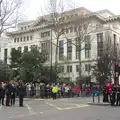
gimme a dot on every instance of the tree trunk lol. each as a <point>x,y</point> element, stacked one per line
<point>56,55</point>
<point>80,64</point>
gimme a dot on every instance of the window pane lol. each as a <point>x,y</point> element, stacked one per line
<point>100,37</point>
<point>61,43</point>
<point>87,53</point>
<point>77,68</point>
<point>61,56</point>
<point>69,42</point>
<point>69,55</point>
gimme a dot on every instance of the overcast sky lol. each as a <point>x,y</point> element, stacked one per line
<point>34,8</point>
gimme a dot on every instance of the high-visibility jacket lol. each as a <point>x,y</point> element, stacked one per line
<point>54,89</point>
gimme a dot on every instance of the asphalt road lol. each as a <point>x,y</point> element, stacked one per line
<point>60,109</point>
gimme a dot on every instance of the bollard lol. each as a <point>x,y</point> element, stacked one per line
<point>98,98</point>
<point>93,98</point>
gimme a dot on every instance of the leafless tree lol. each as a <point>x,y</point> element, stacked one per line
<point>82,27</point>
<point>9,14</point>
<point>104,68</point>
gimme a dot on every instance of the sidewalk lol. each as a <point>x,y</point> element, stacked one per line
<point>99,104</point>
<point>96,102</point>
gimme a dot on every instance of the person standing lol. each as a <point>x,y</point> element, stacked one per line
<point>2,94</point>
<point>113,96</point>
<point>118,95</point>
<point>8,93</point>
<point>105,94</point>
<point>54,92</point>
<point>21,92</point>
<point>13,94</point>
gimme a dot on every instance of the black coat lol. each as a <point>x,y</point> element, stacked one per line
<point>21,90</point>
<point>2,91</point>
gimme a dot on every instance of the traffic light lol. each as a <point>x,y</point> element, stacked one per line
<point>116,72</point>
<point>119,70</point>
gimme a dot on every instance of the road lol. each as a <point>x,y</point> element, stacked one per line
<point>60,109</point>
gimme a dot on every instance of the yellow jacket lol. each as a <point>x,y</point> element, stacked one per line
<point>54,89</point>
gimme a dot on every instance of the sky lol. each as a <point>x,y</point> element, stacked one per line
<point>35,8</point>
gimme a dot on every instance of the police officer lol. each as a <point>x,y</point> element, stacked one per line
<point>2,94</point>
<point>113,96</point>
<point>21,92</point>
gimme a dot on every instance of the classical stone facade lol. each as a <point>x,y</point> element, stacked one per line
<point>39,32</point>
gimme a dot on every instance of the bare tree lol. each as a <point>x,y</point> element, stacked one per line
<point>9,14</point>
<point>104,68</point>
<point>82,27</point>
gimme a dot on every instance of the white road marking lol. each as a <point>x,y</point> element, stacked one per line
<point>18,116</point>
<point>58,108</point>
<point>41,112</point>
<point>30,109</point>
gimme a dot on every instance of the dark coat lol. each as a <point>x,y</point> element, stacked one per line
<point>21,90</point>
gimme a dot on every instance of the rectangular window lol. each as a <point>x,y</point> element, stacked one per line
<point>69,42</point>
<point>77,54</point>
<point>30,37</point>
<point>45,47</point>
<point>21,39</point>
<point>87,67</point>
<point>24,38</point>
<point>87,42</point>
<point>17,39</point>
<point>14,40</point>
<point>100,44</point>
<point>61,56</point>
<point>61,43</point>
<point>77,68</point>
<point>61,50</point>
<point>87,53</point>
<point>69,68</point>
<point>69,55</point>
<point>25,48</point>
<point>5,55</point>
<point>100,37</point>
<point>27,38</point>
<point>45,34</point>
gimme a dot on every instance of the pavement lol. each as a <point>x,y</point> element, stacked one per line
<point>60,109</point>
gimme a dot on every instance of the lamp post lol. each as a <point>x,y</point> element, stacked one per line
<point>51,68</point>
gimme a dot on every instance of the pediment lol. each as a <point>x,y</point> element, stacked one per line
<point>40,22</point>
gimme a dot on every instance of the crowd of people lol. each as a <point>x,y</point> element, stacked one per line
<point>111,93</point>
<point>10,90</point>
<point>63,90</point>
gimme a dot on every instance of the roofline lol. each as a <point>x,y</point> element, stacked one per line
<point>75,9</point>
<point>104,10</point>
<point>26,22</point>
